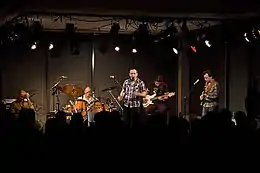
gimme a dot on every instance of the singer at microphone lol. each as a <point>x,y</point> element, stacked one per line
<point>210,95</point>
<point>132,95</point>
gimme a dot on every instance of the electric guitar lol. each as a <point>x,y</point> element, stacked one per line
<point>208,88</point>
<point>148,100</point>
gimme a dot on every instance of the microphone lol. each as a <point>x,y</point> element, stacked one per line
<point>63,77</point>
<point>112,77</point>
<point>196,81</point>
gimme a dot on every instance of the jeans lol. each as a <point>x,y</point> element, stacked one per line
<point>133,117</point>
<point>206,110</point>
<point>157,107</point>
<point>91,117</point>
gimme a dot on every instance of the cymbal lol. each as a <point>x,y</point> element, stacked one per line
<point>72,90</point>
<point>109,89</point>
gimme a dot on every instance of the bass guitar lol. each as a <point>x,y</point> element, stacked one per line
<point>148,100</point>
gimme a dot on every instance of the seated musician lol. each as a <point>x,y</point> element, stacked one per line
<point>158,88</point>
<point>85,109</point>
<point>22,102</point>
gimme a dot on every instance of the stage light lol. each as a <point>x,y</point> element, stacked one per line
<point>193,48</point>
<point>51,46</point>
<point>175,50</point>
<point>246,37</point>
<point>117,48</point>
<point>134,50</point>
<point>208,43</point>
<point>115,28</point>
<point>33,46</point>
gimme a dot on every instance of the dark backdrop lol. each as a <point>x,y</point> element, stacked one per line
<point>38,70</point>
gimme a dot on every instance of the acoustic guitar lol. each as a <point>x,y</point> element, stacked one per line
<point>148,100</point>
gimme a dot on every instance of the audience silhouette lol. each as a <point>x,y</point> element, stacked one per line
<point>24,138</point>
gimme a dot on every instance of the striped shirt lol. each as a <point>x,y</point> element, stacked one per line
<point>212,97</point>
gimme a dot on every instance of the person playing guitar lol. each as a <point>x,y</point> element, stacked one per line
<point>210,96</point>
<point>158,88</point>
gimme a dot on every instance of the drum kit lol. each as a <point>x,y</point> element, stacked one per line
<point>77,104</point>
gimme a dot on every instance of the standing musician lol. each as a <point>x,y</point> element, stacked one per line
<point>22,102</point>
<point>158,88</point>
<point>84,108</point>
<point>210,96</point>
<point>132,95</point>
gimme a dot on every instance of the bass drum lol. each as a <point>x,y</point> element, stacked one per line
<point>81,107</point>
<point>97,107</point>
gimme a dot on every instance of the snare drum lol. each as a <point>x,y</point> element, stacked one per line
<point>107,108</point>
<point>68,109</point>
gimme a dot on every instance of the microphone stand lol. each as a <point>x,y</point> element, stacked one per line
<point>111,94</point>
<point>116,81</point>
<point>55,94</point>
<point>185,98</point>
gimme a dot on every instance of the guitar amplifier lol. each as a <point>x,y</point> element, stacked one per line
<point>7,103</point>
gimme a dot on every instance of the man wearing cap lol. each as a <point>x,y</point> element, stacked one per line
<point>158,88</point>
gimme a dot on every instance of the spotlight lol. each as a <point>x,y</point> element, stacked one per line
<point>117,48</point>
<point>134,50</point>
<point>246,37</point>
<point>51,46</point>
<point>193,48</point>
<point>175,50</point>
<point>33,46</point>
<point>208,43</point>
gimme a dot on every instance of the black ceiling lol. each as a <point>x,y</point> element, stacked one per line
<point>211,6</point>
<point>144,6</point>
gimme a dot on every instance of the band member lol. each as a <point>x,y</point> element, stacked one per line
<point>132,95</point>
<point>210,96</point>
<point>22,102</point>
<point>84,107</point>
<point>158,88</point>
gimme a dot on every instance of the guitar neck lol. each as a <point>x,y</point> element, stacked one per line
<point>158,97</point>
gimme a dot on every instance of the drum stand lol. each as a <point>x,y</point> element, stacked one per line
<point>111,94</point>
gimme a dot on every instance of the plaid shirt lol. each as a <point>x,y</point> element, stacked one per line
<point>129,88</point>
<point>212,96</point>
